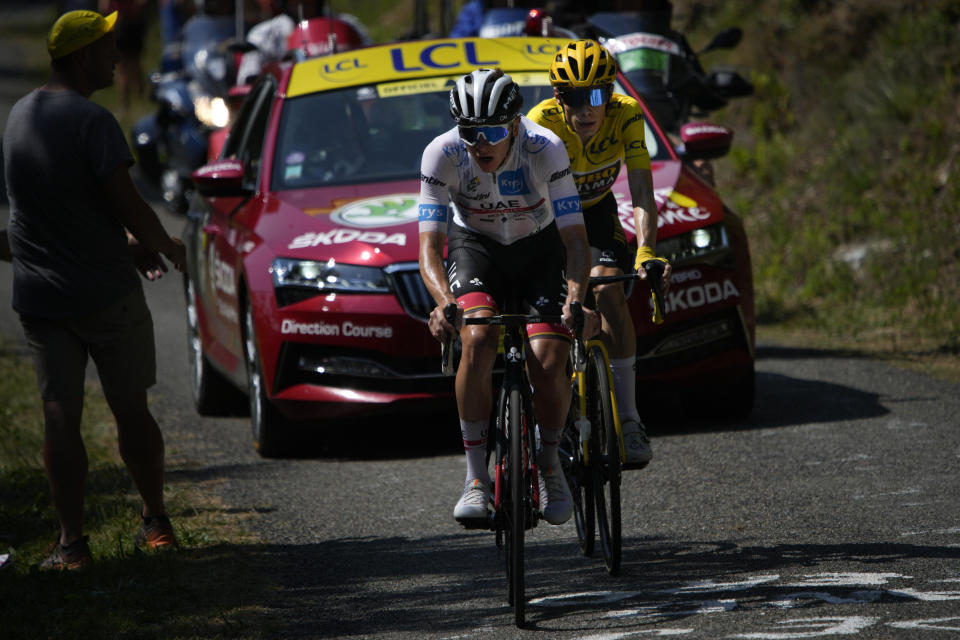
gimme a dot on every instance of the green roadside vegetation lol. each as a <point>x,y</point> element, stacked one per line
<point>205,590</point>
<point>845,168</point>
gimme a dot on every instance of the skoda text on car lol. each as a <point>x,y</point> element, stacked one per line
<point>304,290</point>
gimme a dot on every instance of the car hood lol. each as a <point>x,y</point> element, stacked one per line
<point>373,224</point>
<point>376,224</point>
<point>684,201</point>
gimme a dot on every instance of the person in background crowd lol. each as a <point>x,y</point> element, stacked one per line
<point>129,33</point>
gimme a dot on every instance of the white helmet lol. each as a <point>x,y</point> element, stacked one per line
<point>485,97</point>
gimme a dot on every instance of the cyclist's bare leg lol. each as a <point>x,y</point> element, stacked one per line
<point>547,368</point>
<point>621,342</point>
<point>617,330</point>
<point>474,397</point>
<point>474,386</point>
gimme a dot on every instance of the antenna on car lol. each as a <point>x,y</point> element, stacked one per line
<point>303,27</point>
<point>331,34</point>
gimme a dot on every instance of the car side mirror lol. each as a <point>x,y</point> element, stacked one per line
<point>703,140</point>
<point>221,178</point>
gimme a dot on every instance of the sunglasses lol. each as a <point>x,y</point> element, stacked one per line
<point>576,98</point>
<point>492,135</point>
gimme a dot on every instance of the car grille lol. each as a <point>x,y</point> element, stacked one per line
<point>361,369</point>
<point>410,289</point>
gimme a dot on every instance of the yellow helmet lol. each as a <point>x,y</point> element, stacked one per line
<point>583,63</point>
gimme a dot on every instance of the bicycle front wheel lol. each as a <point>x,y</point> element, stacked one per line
<point>607,464</point>
<point>518,504</point>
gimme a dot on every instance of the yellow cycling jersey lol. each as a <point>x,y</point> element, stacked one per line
<point>596,164</point>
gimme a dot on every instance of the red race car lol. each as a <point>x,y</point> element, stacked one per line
<point>304,290</point>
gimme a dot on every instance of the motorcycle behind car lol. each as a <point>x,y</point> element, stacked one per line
<point>666,69</point>
<point>191,102</point>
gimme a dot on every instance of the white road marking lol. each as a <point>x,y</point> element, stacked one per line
<point>940,532</point>
<point>931,624</point>
<point>846,579</point>
<point>813,628</point>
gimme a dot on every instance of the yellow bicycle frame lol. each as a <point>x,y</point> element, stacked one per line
<point>581,378</point>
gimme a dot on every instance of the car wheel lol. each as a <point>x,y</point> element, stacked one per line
<point>213,394</point>
<point>268,425</point>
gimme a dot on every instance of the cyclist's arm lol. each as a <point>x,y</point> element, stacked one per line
<point>578,261</point>
<point>433,214</point>
<point>644,207</point>
<point>431,267</point>
<point>645,221</point>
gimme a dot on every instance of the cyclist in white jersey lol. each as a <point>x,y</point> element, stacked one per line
<point>498,189</point>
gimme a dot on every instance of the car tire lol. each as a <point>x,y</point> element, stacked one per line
<point>213,394</point>
<point>269,427</point>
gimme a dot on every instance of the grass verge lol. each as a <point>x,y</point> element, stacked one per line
<point>200,591</point>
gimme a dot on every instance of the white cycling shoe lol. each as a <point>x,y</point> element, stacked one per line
<point>637,444</point>
<point>474,506</point>
<point>556,503</point>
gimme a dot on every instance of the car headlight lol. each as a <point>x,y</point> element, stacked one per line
<point>213,112</point>
<point>706,243</point>
<point>327,277</point>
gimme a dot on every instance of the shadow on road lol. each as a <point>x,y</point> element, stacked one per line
<point>781,401</point>
<point>454,584</point>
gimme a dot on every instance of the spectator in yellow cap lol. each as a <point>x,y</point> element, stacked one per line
<point>79,232</point>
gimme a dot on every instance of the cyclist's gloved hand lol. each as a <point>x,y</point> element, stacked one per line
<point>658,283</point>
<point>644,254</point>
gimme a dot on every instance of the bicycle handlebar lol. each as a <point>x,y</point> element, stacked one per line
<point>513,319</point>
<point>654,269</point>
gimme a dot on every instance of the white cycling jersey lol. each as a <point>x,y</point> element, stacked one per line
<point>532,188</point>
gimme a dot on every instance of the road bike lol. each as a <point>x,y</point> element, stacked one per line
<point>513,443</point>
<point>592,450</point>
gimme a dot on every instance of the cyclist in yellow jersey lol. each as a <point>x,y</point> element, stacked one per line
<point>603,131</point>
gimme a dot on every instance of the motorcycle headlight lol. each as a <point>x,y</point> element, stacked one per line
<point>327,277</point>
<point>212,112</point>
<point>706,243</point>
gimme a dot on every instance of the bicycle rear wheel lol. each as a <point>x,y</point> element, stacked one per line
<point>605,459</point>
<point>579,479</point>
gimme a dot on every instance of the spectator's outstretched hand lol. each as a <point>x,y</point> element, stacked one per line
<point>150,264</point>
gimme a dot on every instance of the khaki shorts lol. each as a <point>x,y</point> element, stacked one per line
<point>118,338</point>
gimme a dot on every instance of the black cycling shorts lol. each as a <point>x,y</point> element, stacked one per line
<point>484,273</point>
<point>608,243</point>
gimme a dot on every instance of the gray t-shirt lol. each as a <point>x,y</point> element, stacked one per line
<point>70,255</point>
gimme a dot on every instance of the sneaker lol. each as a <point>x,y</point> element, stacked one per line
<point>75,555</point>
<point>637,444</point>
<point>474,506</point>
<point>556,503</point>
<point>156,533</point>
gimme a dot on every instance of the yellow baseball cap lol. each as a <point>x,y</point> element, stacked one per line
<point>76,29</point>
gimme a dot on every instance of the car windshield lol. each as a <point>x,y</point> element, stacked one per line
<point>377,133</point>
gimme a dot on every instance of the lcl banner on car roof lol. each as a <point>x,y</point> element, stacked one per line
<point>421,59</point>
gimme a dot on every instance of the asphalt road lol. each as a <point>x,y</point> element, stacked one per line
<point>833,511</point>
